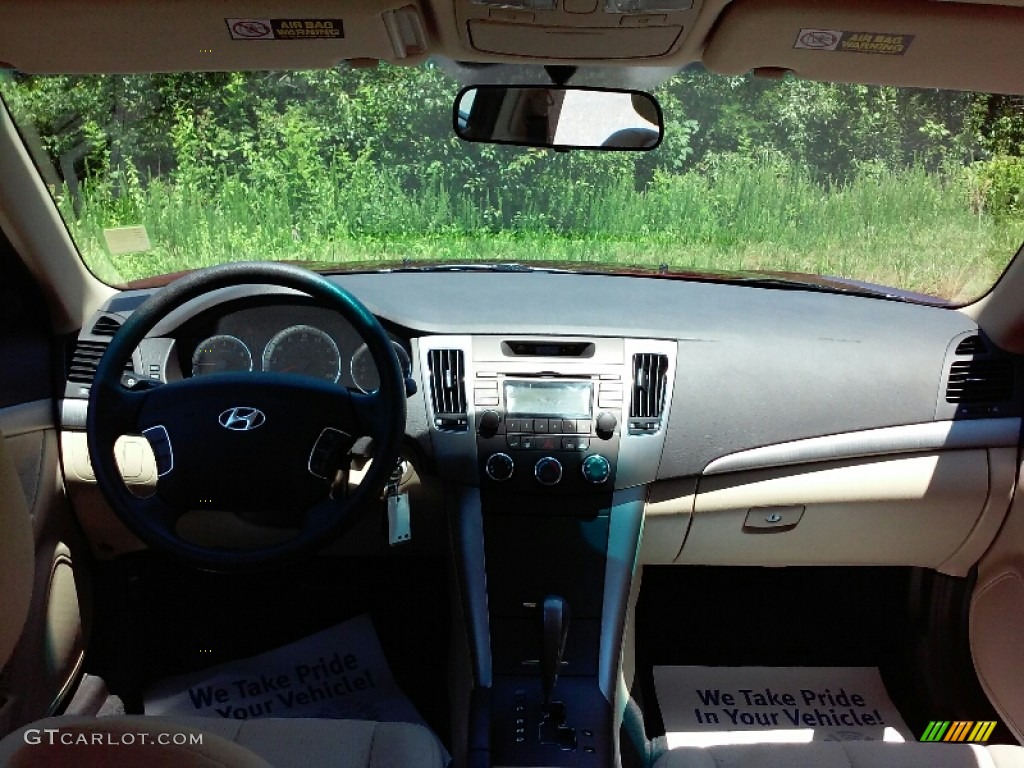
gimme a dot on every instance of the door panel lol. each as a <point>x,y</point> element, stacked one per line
<point>49,654</point>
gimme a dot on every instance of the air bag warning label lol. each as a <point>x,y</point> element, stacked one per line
<point>285,29</point>
<point>879,43</point>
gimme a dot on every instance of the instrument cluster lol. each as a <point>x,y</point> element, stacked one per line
<point>295,339</point>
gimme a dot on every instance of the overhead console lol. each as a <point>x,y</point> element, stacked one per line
<point>576,29</point>
<point>548,417</point>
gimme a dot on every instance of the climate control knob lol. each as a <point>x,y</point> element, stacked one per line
<point>548,471</point>
<point>596,469</point>
<point>499,467</point>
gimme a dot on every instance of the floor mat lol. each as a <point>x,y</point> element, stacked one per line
<point>340,672</point>
<point>707,706</point>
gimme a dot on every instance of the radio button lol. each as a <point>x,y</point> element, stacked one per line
<point>540,426</point>
<point>583,427</point>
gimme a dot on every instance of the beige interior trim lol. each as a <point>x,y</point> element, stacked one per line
<point>31,222</point>
<point>28,417</point>
<point>997,620</point>
<point>945,51</point>
<point>1002,467</point>
<point>667,517</point>
<point>68,36</point>
<point>17,557</point>
<point>911,510</point>
<point>998,312</point>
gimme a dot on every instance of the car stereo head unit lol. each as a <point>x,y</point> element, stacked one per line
<point>546,399</point>
<point>548,434</point>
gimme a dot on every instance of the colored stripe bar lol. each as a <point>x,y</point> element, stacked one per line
<point>959,730</point>
<point>984,730</point>
<point>935,731</point>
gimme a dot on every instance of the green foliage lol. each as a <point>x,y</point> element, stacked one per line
<point>921,189</point>
<point>999,185</point>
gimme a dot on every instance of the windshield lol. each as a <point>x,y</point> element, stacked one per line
<point>918,190</point>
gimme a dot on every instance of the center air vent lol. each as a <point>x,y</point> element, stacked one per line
<point>647,402</point>
<point>448,389</point>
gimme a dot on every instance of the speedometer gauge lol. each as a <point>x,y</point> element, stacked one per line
<point>304,350</point>
<point>219,354</point>
<point>364,371</point>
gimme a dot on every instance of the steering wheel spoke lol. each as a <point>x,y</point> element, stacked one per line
<point>262,445</point>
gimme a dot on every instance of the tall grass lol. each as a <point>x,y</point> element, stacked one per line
<point>909,229</point>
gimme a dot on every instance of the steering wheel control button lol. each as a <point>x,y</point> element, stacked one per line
<point>329,447</point>
<point>548,471</point>
<point>489,423</point>
<point>499,467</point>
<point>160,442</point>
<point>606,423</point>
<point>596,469</point>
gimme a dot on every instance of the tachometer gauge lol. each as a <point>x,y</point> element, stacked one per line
<point>304,350</point>
<point>219,354</point>
<point>364,371</point>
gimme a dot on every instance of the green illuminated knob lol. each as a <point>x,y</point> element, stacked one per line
<point>596,469</point>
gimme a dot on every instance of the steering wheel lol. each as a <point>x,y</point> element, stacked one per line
<point>256,443</point>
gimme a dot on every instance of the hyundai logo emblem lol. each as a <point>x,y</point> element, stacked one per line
<point>242,419</point>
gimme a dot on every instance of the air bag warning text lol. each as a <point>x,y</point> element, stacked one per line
<point>285,29</point>
<point>879,43</point>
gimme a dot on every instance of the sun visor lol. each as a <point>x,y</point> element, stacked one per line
<point>923,43</point>
<point>68,36</point>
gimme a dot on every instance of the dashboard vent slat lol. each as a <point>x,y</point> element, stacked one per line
<point>447,387</point>
<point>106,326</point>
<point>980,381</point>
<point>650,380</point>
<point>86,360</point>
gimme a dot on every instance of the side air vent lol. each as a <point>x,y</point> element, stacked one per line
<point>106,326</point>
<point>448,389</point>
<point>972,345</point>
<point>979,381</point>
<point>647,401</point>
<point>86,359</point>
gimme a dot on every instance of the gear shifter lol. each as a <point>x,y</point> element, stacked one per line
<point>555,618</point>
<point>555,626</point>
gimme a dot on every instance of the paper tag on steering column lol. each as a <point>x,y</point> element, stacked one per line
<point>399,525</point>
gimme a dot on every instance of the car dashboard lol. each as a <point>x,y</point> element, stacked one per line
<point>588,425</point>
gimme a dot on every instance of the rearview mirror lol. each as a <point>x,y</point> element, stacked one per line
<point>561,117</point>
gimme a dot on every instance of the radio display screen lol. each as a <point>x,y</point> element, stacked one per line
<point>570,400</point>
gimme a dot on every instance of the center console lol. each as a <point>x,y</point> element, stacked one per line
<point>547,444</point>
